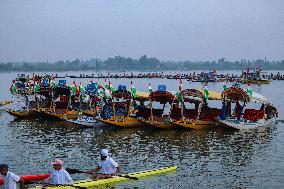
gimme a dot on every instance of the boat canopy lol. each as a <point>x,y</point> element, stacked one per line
<point>61,90</point>
<point>192,94</point>
<point>122,94</point>
<point>162,96</point>
<point>235,94</point>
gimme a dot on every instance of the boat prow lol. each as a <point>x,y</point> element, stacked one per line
<point>22,114</point>
<point>246,124</point>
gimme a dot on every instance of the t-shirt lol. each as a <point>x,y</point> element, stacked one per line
<point>60,177</point>
<point>108,166</point>
<point>10,180</point>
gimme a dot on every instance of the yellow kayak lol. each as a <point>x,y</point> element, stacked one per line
<point>82,184</point>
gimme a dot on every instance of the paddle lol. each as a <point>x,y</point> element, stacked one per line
<point>73,171</point>
<point>46,185</point>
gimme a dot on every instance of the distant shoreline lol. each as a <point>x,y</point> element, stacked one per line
<point>142,64</point>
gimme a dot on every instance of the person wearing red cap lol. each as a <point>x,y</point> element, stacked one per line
<point>10,179</point>
<point>59,176</point>
<point>106,168</point>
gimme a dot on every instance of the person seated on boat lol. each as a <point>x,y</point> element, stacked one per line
<point>10,179</point>
<point>59,176</point>
<point>106,168</point>
<point>238,111</point>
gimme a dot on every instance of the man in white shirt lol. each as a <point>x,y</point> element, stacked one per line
<point>10,179</point>
<point>106,168</point>
<point>59,176</point>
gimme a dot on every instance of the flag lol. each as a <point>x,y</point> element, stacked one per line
<point>180,85</point>
<point>206,92</point>
<point>13,82</point>
<point>36,87</point>
<point>150,88</point>
<point>249,91</point>
<point>224,86</point>
<point>14,88</point>
<point>133,90</point>
<point>111,87</point>
<point>106,86</point>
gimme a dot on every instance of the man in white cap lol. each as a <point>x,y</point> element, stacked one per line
<point>106,168</point>
<point>59,176</point>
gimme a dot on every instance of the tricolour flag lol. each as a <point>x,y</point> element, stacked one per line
<point>206,92</point>
<point>150,88</point>
<point>133,90</point>
<point>249,91</point>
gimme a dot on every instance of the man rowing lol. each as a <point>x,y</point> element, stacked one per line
<point>106,168</point>
<point>59,176</point>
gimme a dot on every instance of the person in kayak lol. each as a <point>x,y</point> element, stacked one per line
<point>106,168</point>
<point>59,176</point>
<point>10,179</point>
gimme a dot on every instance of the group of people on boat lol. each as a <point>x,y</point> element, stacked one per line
<point>106,168</point>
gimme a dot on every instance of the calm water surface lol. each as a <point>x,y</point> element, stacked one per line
<point>205,159</point>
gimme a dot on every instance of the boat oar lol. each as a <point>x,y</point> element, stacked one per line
<point>47,185</point>
<point>73,171</point>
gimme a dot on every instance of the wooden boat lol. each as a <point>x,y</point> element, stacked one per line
<point>84,184</point>
<point>243,116</point>
<point>5,102</point>
<point>254,77</point>
<point>59,102</point>
<point>156,117</point>
<point>122,106</point>
<point>201,116</point>
<point>22,114</point>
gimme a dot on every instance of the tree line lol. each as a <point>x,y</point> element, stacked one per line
<point>119,63</point>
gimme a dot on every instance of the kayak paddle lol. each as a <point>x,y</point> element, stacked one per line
<point>73,171</point>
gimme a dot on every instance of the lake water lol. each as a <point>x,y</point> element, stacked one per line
<point>205,159</point>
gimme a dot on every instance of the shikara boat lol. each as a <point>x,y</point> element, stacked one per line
<point>246,116</point>
<point>254,78</point>
<point>158,117</point>
<point>200,115</point>
<point>122,106</point>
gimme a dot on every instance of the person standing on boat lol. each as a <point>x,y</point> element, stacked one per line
<point>106,168</point>
<point>59,176</point>
<point>10,179</point>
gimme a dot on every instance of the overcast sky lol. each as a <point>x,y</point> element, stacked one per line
<point>38,30</point>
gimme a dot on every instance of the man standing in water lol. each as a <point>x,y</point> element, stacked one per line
<point>106,168</point>
<point>10,179</point>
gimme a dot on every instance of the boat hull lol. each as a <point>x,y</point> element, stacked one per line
<point>121,121</point>
<point>94,183</point>
<point>242,125</point>
<point>245,81</point>
<point>29,114</point>
<point>195,124</point>
<point>157,124</point>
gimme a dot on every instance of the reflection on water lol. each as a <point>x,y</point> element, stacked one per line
<point>213,158</point>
